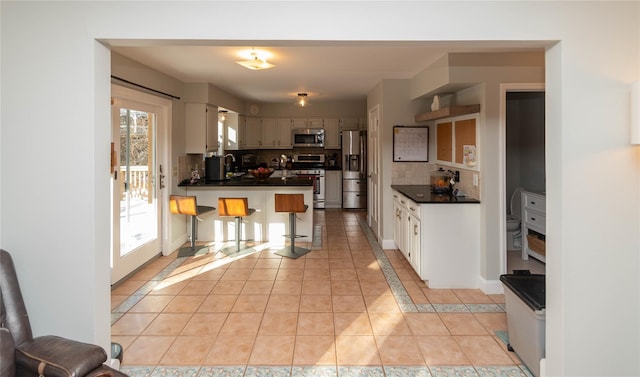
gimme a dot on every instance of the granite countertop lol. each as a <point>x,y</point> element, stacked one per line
<point>249,181</point>
<point>422,194</point>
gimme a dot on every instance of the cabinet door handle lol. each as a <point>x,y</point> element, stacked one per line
<point>532,202</point>
<point>415,229</point>
<point>402,201</point>
<point>411,208</point>
<point>533,219</point>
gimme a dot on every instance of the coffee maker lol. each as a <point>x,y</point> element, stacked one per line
<point>214,168</point>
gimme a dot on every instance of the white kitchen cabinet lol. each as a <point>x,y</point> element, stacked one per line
<point>349,124</point>
<point>363,124</point>
<point>306,123</point>
<point>276,133</point>
<point>299,123</point>
<point>440,241</point>
<point>284,132</point>
<point>201,128</point>
<point>333,189</point>
<point>332,133</point>
<point>533,225</point>
<point>399,225</point>
<point>415,239</point>
<point>242,131</point>
<point>253,133</point>
<point>315,122</point>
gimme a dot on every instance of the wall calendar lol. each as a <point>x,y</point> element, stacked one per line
<point>410,144</point>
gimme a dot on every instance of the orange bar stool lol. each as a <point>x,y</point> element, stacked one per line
<point>188,205</point>
<point>238,208</point>
<point>292,203</point>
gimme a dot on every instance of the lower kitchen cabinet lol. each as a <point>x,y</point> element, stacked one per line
<point>440,241</point>
<point>415,240</point>
<point>399,225</point>
<point>333,189</point>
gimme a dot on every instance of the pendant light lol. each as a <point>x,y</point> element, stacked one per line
<point>302,100</point>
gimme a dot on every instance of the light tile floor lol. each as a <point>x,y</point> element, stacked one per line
<point>347,308</point>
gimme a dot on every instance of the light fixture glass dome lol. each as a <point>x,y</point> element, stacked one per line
<point>255,63</point>
<point>302,100</point>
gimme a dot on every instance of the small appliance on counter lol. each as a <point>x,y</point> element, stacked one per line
<point>248,161</point>
<point>442,181</point>
<point>214,168</point>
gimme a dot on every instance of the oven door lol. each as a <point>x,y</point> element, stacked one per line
<point>314,179</point>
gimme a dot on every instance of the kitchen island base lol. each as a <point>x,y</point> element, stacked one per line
<point>264,225</point>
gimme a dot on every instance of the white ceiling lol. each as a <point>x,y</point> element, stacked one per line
<point>326,70</point>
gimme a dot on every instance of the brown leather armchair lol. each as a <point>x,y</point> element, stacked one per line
<point>23,355</point>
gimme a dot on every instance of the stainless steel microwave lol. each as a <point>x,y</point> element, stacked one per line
<point>307,137</point>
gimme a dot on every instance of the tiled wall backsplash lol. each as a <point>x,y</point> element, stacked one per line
<point>418,173</point>
<point>403,173</point>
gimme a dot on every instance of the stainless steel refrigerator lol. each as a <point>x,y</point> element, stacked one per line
<point>354,169</point>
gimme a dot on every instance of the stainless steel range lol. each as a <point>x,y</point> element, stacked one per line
<point>311,166</point>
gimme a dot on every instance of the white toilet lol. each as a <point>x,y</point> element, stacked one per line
<point>514,217</point>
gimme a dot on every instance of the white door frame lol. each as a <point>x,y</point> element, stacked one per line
<point>162,156</point>
<point>502,176</point>
<point>373,174</point>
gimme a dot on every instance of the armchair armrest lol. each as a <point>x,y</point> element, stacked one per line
<point>53,356</point>
<point>7,354</point>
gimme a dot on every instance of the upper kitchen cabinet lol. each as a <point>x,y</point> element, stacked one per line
<point>363,124</point>
<point>331,133</point>
<point>457,141</point>
<point>276,133</point>
<point>315,123</point>
<point>201,128</point>
<point>349,124</point>
<point>253,133</point>
<point>306,123</point>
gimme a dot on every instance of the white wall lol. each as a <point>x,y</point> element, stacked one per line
<point>55,83</point>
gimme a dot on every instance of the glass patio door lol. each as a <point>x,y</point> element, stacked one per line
<point>137,208</point>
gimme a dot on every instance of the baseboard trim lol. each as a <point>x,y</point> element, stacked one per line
<point>388,245</point>
<point>491,287</point>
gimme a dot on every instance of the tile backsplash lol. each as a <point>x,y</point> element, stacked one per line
<point>418,173</point>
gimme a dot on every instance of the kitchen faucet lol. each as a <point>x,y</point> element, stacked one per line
<point>233,159</point>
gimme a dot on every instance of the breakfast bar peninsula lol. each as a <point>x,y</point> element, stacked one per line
<point>265,224</point>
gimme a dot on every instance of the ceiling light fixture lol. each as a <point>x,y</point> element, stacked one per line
<point>255,62</point>
<point>302,100</point>
<point>222,115</point>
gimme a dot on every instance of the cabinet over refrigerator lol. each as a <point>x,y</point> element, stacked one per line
<point>354,169</point>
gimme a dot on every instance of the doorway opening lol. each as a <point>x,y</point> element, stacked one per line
<point>523,120</point>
